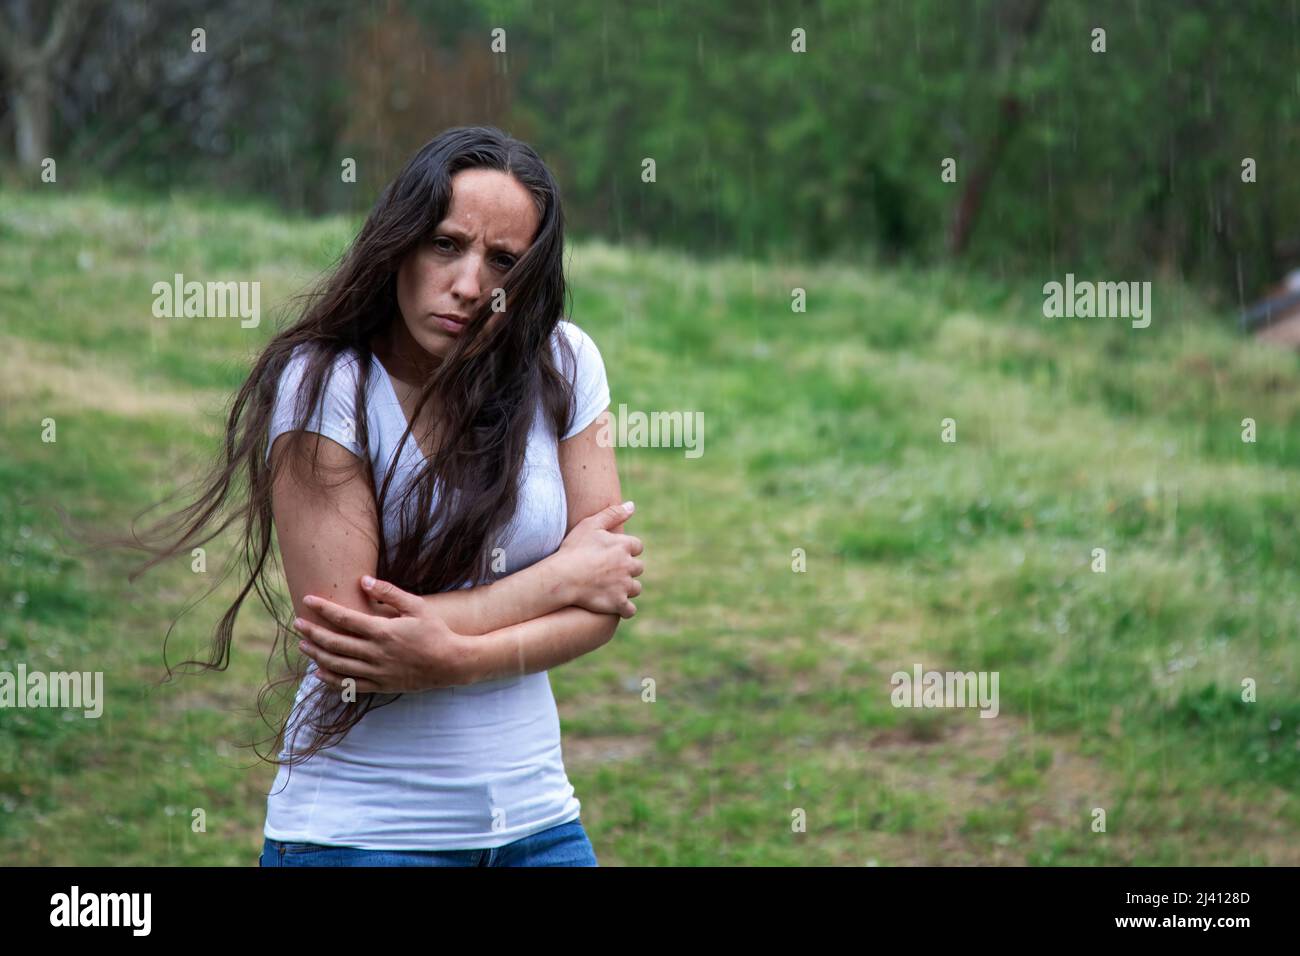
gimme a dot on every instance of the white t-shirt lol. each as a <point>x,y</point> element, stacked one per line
<point>467,767</point>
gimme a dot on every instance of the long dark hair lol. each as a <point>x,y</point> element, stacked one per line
<point>485,391</point>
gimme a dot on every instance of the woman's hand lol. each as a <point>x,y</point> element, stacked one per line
<point>402,647</point>
<point>600,565</point>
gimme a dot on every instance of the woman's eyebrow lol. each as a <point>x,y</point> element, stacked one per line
<point>498,247</point>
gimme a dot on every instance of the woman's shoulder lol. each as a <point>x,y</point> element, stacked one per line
<point>581,345</point>
<point>348,360</point>
<point>339,382</point>
<point>341,375</point>
<point>569,328</point>
<point>334,414</point>
<point>590,385</point>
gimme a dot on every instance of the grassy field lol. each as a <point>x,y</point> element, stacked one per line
<point>1119,690</point>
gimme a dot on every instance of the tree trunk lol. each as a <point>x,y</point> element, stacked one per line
<point>30,61</point>
<point>32,103</point>
<point>1021,23</point>
<point>972,196</point>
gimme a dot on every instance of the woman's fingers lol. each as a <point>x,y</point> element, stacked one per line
<point>383,610</point>
<point>637,546</point>
<point>326,676</point>
<point>636,589</point>
<point>392,595</point>
<point>637,567</point>
<point>341,646</point>
<point>344,618</point>
<point>339,665</point>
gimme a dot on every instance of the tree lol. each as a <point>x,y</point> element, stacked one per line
<point>31,55</point>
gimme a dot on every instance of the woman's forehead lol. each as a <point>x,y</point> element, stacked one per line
<point>493,207</point>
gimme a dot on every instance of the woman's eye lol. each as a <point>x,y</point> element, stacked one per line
<point>438,240</point>
<point>506,263</point>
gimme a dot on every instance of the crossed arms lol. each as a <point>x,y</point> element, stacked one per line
<point>566,605</point>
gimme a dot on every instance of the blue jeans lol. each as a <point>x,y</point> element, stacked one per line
<point>563,845</point>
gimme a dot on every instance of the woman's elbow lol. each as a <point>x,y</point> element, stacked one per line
<point>612,621</point>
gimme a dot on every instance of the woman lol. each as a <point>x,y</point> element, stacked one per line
<point>435,357</point>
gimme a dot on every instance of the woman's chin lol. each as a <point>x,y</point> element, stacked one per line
<point>435,343</point>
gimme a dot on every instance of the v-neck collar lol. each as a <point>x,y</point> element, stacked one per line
<point>397,403</point>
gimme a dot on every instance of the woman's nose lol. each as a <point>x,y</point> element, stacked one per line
<point>467,284</point>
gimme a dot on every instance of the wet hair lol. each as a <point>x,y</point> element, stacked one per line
<point>484,393</point>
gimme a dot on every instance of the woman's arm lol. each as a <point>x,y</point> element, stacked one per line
<point>328,529</point>
<point>326,523</point>
<point>529,593</point>
<point>590,474</point>
<point>537,645</point>
<point>593,569</point>
<point>565,577</point>
<point>591,487</point>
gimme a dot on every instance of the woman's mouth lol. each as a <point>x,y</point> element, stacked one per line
<point>449,324</point>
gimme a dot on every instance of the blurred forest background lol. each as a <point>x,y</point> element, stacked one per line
<point>1066,158</point>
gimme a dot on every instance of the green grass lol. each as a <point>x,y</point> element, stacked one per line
<point>1118,690</point>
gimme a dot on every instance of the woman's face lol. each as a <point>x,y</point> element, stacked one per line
<point>490,224</point>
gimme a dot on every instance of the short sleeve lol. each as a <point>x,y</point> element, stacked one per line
<point>590,384</point>
<point>335,413</point>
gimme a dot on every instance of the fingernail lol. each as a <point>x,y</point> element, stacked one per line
<point>367,581</point>
<point>629,507</point>
<point>298,623</point>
